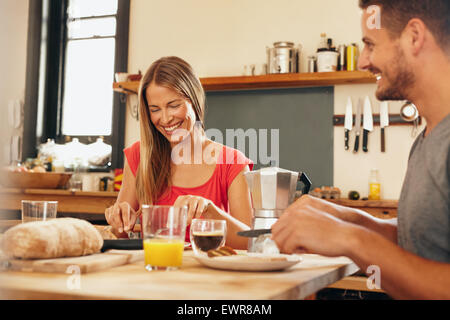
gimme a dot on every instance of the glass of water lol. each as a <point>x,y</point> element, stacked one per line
<point>38,210</point>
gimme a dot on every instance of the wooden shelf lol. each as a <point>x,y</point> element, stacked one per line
<point>270,81</point>
<point>288,80</point>
<point>130,87</point>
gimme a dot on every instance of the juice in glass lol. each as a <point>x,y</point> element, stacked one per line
<point>163,253</point>
<point>164,229</point>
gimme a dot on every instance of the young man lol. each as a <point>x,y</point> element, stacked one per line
<point>409,52</point>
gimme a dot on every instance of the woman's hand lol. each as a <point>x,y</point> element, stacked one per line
<point>196,206</point>
<point>121,216</point>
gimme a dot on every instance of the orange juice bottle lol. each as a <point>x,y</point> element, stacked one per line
<point>163,252</point>
<point>374,185</point>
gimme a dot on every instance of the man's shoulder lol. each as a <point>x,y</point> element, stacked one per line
<point>437,154</point>
<point>437,143</point>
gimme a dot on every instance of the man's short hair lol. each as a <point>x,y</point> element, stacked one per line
<point>395,15</point>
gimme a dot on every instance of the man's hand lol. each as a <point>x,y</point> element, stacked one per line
<point>305,227</point>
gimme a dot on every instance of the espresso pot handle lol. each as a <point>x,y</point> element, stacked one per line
<point>304,178</point>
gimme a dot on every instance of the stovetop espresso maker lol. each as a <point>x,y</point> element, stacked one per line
<point>272,190</point>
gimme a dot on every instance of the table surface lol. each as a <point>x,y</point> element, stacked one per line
<point>191,281</point>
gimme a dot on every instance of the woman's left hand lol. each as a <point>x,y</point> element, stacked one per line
<point>196,206</point>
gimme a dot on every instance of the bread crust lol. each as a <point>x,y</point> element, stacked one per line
<point>62,237</point>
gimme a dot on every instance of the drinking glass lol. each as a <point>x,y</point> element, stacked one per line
<point>207,234</point>
<point>38,210</point>
<point>164,229</point>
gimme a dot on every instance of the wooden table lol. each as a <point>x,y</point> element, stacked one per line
<point>191,281</point>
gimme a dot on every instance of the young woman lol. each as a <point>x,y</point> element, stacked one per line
<point>174,163</point>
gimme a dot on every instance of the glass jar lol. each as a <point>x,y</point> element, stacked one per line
<point>374,185</point>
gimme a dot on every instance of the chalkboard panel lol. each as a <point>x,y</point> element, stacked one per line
<point>303,117</point>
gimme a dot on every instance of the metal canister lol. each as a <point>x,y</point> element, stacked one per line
<point>342,58</point>
<point>283,57</point>
<point>311,64</point>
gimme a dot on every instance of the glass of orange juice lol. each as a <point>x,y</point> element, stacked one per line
<point>164,229</point>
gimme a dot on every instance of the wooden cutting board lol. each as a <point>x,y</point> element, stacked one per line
<point>86,264</point>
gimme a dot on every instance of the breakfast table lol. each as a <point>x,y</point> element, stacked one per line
<point>192,281</point>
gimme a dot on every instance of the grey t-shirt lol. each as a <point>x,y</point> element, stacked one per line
<point>424,205</point>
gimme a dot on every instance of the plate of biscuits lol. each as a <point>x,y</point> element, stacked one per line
<point>226,258</point>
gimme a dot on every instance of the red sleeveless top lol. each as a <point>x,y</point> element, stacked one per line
<point>229,164</point>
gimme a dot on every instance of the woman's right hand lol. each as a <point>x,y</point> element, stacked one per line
<point>121,216</point>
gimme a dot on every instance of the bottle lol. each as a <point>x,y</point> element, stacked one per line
<point>323,45</point>
<point>342,65</point>
<point>45,154</point>
<point>374,185</point>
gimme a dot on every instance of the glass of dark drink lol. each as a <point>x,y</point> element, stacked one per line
<point>207,234</point>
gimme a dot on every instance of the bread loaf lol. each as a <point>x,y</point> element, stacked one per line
<point>62,237</point>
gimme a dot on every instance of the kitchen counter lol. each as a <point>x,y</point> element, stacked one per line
<point>79,202</point>
<point>384,209</point>
<point>191,281</point>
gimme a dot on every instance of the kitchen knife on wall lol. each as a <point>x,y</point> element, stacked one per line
<point>348,123</point>
<point>384,122</point>
<point>357,125</point>
<point>368,122</point>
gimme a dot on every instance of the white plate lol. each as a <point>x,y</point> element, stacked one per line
<point>250,262</point>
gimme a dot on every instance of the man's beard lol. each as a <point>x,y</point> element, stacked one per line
<point>399,79</point>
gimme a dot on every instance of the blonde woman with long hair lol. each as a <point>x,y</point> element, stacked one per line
<point>164,167</point>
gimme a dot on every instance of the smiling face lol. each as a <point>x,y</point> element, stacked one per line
<point>170,112</point>
<point>383,56</point>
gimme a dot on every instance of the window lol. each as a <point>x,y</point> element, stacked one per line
<point>70,72</point>
<point>89,68</point>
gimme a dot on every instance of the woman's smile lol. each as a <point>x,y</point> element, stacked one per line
<point>169,130</point>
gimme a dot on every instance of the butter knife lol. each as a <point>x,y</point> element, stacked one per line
<point>253,233</point>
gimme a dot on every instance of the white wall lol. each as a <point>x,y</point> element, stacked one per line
<point>219,37</point>
<point>13,37</point>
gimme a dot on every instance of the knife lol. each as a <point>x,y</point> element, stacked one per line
<point>368,122</point>
<point>253,233</point>
<point>122,244</point>
<point>348,121</point>
<point>384,122</point>
<point>357,125</point>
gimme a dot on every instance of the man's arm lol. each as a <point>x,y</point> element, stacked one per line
<point>386,227</point>
<point>403,275</point>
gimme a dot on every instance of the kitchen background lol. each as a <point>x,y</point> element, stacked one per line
<point>219,38</point>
